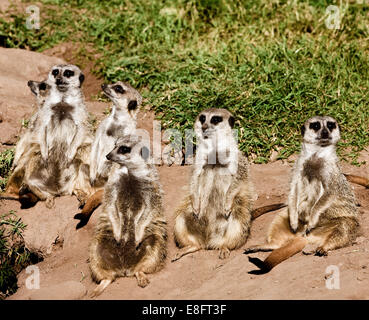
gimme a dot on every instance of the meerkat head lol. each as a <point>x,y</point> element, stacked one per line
<point>65,77</point>
<point>322,131</point>
<point>213,120</point>
<point>40,89</point>
<point>130,151</point>
<point>124,96</point>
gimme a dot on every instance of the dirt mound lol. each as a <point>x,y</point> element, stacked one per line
<point>64,272</point>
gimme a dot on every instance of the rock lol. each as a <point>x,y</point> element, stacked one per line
<point>47,227</point>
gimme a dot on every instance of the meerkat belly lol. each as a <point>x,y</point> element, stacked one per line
<point>121,239</point>
<point>309,193</point>
<point>220,181</point>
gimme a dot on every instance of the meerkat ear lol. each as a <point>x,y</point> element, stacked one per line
<point>231,122</point>
<point>145,153</point>
<point>32,86</point>
<point>81,79</point>
<point>132,105</point>
<point>303,130</point>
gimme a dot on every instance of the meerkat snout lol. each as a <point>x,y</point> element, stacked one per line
<point>123,95</point>
<point>211,121</point>
<point>323,131</point>
<point>66,76</point>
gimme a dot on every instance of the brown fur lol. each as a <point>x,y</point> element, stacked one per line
<point>119,248</point>
<point>358,180</point>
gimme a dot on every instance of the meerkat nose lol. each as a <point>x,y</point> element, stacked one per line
<point>108,156</point>
<point>204,127</point>
<point>104,86</point>
<point>59,81</point>
<point>325,133</point>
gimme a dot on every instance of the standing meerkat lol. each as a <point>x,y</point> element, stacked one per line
<point>322,212</point>
<point>62,133</point>
<point>121,122</point>
<point>217,212</point>
<point>130,237</point>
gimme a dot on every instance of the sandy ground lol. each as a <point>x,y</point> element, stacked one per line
<point>64,271</point>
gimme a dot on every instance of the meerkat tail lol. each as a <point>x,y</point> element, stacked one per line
<point>100,288</point>
<point>279,255</point>
<point>91,204</point>
<point>357,180</point>
<point>265,209</point>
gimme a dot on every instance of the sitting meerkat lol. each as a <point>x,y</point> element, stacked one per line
<point>64,140</point>
<point>27,146</point>
<point>322,213</point>
<point>130,238</point>
<point>120,123</point>
<point>217,212</point>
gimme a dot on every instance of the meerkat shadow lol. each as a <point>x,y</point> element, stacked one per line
<point>83,220</point>
<point>260,264</point>
<point>28,200</point>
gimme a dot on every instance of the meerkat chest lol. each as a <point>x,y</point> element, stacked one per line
<point>62,111</point>
<point>215,180</point>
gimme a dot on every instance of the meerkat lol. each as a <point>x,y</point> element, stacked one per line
<point>121,122</point>
<point>217,212</point>
<point>26,147</point>
<point>64,140</point>
<point>322,213</point>
<point>130,238</point>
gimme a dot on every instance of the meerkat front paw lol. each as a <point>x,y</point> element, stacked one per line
<point>50,202</point>
<point>320,251</point>
<point>224,253</point>
<point>142,279</point>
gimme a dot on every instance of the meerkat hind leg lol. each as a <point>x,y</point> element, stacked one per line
<point>224,253</point>
<point>185,250</point>
<point>100,288</point>
<point>142,279</point>
<point>261,248</point>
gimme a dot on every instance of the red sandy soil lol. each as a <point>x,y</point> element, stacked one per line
<point>64,272</point>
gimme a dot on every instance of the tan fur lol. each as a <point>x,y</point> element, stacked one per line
<point>322,207</point>
<point>53,156</point>
<point>130,238</point>
<point>217,212</point>
<point>358,180</point>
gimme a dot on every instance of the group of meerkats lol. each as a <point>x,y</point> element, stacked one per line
<point>59,155</point>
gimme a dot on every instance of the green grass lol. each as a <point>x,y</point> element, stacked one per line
<point>13,254</point>
<point>6,161</point>
<point>272,63</point>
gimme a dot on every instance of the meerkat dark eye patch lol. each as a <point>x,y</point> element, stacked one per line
<point>315,126</point>
<point>132,105</point>
<point>55,72</point>
<point>124,150</point>
<point>81,79</point>
<point>231,122</point>
<point>119,89</point>
<point>68,73</point>
<point>216,119</point>
<point>42,86</point>
<point>331,125</point>
<point>202,119</point>
<point>145,153</point>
